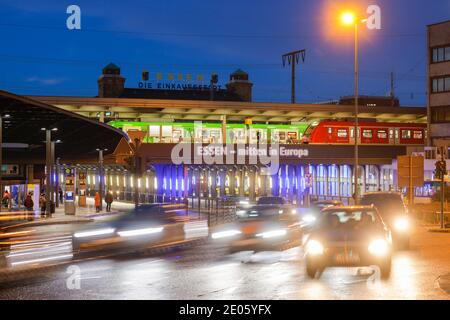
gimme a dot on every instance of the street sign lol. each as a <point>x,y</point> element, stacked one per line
<point>410,171</point>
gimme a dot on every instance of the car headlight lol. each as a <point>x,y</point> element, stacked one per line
<point>379,247</point>
<point>272,233</point>
<point>314,247</point>
<point>241,213</point>
<point>225,234</point>
<point>94,233</point>
<point>294,211</point>
<point>280,211</point>
<point>244,202</point>
<point>401,224</point>
<point>309,218</point>
<point>140,232</point>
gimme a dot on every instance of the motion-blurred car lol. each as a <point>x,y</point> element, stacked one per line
<point>240,201</point>
<point>263,227</point>
<point>146,225</point>
<point>349,236</point>
<point>391,207</point>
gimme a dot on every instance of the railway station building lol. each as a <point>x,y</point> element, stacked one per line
<point>163,116</point>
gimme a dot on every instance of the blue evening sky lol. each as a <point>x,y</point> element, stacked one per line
<point>39,56</point>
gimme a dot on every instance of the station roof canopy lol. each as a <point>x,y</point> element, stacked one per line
<point>24,118</point>
<point>191,110</point>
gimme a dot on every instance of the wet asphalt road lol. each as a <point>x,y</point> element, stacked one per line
<point>205,272</point>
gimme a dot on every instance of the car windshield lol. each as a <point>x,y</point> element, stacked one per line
<point>349,218</point>
<point>387,204</point>
<point>270,200</point>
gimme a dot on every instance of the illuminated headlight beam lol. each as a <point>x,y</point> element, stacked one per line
<point>140,232</point>
<point>225,234</point>
<point>272,234</point>
<point>93,233</point>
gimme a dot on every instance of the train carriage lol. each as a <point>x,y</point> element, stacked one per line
<point>378,133</point>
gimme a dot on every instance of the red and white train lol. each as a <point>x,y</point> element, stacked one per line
<point>379,133</point>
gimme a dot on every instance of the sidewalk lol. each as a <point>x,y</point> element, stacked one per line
<point>82,215</point>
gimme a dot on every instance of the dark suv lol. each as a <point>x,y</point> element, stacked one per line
<point>392,209</point>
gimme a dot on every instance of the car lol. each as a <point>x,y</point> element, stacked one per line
<point>276,202</point>
<point>310,215</point>
<point>391,207</point>
<point>144,226</point>
<point>263,227</point>
<point>349,236</point>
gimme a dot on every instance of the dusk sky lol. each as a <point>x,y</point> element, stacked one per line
<point>40,56</point>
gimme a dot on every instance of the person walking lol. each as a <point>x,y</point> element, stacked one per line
<point>29,203</point>
<point>97,202</point>
<point>42,204</point>
<point>5,199</point>
<point>109,200</point>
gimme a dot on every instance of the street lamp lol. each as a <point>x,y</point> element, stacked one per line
<point>6,116</point>
<point>349,18</point>
<point>48,164</point>
<point>100,173</point>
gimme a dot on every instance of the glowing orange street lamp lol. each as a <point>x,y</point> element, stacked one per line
<point>349,18</point>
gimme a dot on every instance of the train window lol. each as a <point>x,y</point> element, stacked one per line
<point>342,133</point>
<point>167,131</point>
<point>396,133</point>
<point>154,131</point>
<point>406,134</point>
<point>417,135</point>
<point>382,134</point>
<point>367,133</point>
<point>352,132</point>
<point>391,134</point>
<point>330,130</point>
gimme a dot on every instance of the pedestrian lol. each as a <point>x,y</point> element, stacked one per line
<point>28,203</point>
<point>6,198</point>
<point>108,199</point>
<point>61,198</point>
<point>97,202</point>
<point>42,204</point>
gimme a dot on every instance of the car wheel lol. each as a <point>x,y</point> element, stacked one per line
<point>385,269</point>
<point>312,269</point>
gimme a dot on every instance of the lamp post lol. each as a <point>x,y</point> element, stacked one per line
<point>48,167</point>
<point>100,173</point>
<point>349,18</point>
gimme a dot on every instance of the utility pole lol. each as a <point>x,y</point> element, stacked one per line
<point>48,170</point>
<point>100,173</point>
<point>391,93</point>
<point>293,58</point>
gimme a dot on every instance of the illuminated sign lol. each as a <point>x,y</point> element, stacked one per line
<point>178,81</point>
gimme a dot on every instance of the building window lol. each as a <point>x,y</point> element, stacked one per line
<point>406,134</point>
<point>367,133</point>
<point>382,134</point>
<point>441,84</point>
<point>440,114</point>
<point>441,54</point>
<point>342,133</point>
